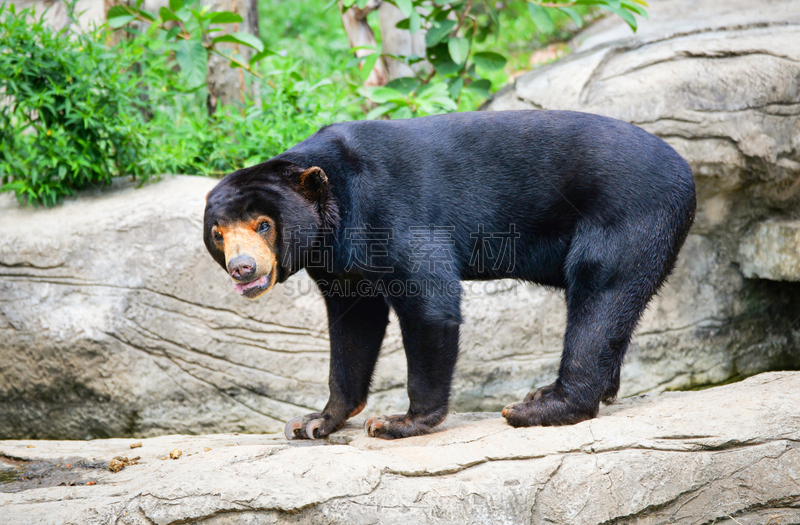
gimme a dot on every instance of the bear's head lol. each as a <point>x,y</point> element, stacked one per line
<point>259,221</point>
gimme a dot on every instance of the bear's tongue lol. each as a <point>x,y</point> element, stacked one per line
<point>243,287</point>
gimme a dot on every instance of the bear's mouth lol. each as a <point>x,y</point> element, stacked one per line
<point>252,289</point>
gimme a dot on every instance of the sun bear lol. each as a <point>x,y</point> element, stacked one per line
<point>393,215</point>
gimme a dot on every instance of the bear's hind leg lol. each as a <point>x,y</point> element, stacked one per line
<point>594,345</point>
<point>609,285</point>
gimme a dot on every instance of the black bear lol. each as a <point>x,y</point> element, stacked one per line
<point>395,214</point>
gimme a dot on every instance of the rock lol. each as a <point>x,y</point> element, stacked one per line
<point>114,321</point>
<point>89,13</point>
<point>771,251</point>
<point>646,460</point>
<point>720,81</point>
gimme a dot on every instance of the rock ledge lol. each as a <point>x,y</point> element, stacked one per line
<point>730,454</point>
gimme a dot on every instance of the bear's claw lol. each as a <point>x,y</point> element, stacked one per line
<point>372,424</point>
<point>303,427</point>
<point>313,425</point>
<point>292,426</point>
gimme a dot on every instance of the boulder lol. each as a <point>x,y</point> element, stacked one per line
<point>650,459</point>
<point>771,251</point>
<point>115,321</point>
<point>720,82</point>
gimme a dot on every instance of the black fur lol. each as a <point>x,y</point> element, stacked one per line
<point>595,206</point>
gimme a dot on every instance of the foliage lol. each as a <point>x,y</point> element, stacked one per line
<point>77,112</point>
<point>317,50</point>
<point>68,116</point>
<point>454,67</point>
<point>287,110</point>
<point>78,109</point>
<point>186,33</point>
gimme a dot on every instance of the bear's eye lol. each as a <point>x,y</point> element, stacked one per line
<point>263,226</point>
<point>217,237</point>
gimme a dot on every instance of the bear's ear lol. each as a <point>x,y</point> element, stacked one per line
<point>313,184</point>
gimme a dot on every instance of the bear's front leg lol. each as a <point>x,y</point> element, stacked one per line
<point>430,326</point>
<point>357,326</point>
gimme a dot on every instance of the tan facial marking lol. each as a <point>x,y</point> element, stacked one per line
<point>243,238</point>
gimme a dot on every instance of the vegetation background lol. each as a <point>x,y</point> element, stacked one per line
<point>80,108</point>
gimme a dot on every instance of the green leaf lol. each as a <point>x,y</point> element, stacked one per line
<point>225,17</point>
<point>455,88</point>
<point>175,5</point>
<point>576,18</point>
<point>403,24</point>
<point>635,8</point>
<point>414,22</point>
<point>459,49</point>
<point>446,67</point>
<point>183,14</point>
<point>445,102</point>
<point>354,61</point>
<point>600,3</point>
<point>370,47</point>
<point>438,31</point>
<point>625,15</point>
<point>166,14</point>
<point>260,56</point>
<point>489,61</point>
<point>405,6</point>
<point>479,87</point>
<point>245,39</point>
<point>493,14</point>
<point>369,63</point>
<point>402,113</point>
<point>118,10</point>
<point>382,95</point>
<point>541,18</point>
<point>119,15</point>
<point>431,89</point>
<point>119,21</point>
<point>404,85</point>
<point>361,3</point>
<point>378,111</point>
<point>348,3</point>
<point>173,32</point>
<point>192,58</point>
<point>147,15</point>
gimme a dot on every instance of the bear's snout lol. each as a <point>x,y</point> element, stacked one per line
<point>242,268</point>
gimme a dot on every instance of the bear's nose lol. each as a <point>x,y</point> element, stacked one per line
<point>242,268</point>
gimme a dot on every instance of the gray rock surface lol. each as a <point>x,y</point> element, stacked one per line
<point>90,12</point>
<point>771,251</point>
<point>719,81</point>
<point>646,460</point>
<point>115,322</point>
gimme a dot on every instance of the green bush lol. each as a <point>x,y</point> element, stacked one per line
<point>76,112</point>
<point>69,116</point>
<point>189,141</point>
